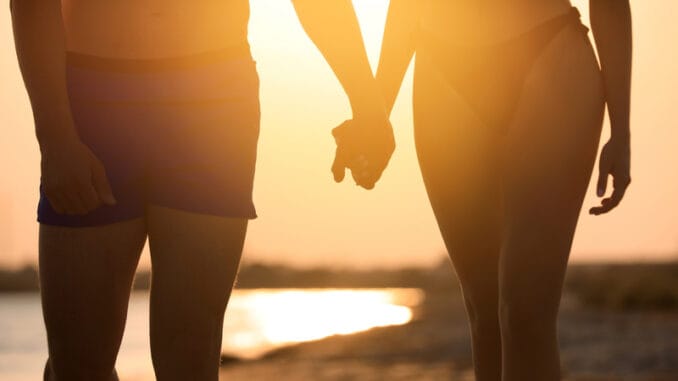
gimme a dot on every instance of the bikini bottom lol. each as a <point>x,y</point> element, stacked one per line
<point>490,78</point>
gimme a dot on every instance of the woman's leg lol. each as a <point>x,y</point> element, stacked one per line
<point>195,261</point>
<point>458,157</point>
<point>550,152</point>
<point>85,280</point>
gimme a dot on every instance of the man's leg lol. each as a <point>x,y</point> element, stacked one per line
<point>85,279</point>
<point>195,261</point>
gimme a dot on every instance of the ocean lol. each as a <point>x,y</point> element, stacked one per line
<point>257,321</point>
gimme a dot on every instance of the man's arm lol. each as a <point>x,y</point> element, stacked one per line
<point>39,39</point>
<point>397,47</point>
<point>333,26</point>
<point>72,178</point>
<point>611,25</point>
<point>366,143</point>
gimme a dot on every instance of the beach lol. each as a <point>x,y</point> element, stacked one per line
<point>596,345</point>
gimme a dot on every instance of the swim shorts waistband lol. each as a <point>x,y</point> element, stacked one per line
<point>132,65</point>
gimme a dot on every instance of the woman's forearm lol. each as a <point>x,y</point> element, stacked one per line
<point>333,26</point>
<point>397,48</point>
<point>40,46</point>
<point>611,24</point>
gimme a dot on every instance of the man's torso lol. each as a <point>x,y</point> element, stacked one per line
<point>153,28</point>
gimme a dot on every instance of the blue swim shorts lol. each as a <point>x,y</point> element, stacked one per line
<point>174,132</point>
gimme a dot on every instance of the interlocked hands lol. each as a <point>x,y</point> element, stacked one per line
<point>364,148</point>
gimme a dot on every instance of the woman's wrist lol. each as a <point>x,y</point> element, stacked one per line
<point>620,134</point>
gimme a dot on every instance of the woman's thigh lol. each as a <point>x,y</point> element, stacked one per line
<point>549,156</point>
<point>459,159</point>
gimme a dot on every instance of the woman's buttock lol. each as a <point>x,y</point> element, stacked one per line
<point>474,22</point>
<point>150,29</point>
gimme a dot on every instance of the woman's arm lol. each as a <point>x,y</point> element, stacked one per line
<point>366,143</point>
<point>72,178</point>
<point>611,25</point>
<point>397,47</point>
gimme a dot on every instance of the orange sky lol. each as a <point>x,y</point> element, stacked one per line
<point>304,218</point>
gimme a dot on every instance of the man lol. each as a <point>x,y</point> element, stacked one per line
<point>147,117</point>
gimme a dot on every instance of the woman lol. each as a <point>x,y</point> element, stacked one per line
<point>508,108</point>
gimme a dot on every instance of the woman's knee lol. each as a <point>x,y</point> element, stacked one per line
<point>526,317</point>
<point>483,315</point>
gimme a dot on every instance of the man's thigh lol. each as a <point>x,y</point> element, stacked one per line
<point>195,256</point>
<point>85,278</point>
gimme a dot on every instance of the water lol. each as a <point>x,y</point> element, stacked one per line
<point>256,321</point>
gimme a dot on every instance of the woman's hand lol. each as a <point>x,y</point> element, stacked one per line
<point>615,160</point>
<point>73,179</point>
<point>364,149</point>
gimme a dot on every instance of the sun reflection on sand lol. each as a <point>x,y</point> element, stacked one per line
<point>279,317</point>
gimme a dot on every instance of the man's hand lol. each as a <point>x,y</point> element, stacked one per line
<point>364,149</point>
<point>615,162</point>
<point>73,179</point>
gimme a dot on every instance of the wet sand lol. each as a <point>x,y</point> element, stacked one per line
<point>596,346</point>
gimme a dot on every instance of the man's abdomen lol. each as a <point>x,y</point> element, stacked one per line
<point>153,28</point>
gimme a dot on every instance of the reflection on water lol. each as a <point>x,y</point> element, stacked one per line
<point>256,322</point>
<point>273,318</point>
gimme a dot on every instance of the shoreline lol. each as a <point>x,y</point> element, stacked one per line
<point>596,345</point>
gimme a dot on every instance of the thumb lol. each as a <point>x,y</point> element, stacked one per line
<point>102,186</point>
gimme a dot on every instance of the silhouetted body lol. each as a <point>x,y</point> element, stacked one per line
<point>147,115</point>
<point>508,110</point>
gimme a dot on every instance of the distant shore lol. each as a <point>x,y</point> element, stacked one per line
<point>627,287</point>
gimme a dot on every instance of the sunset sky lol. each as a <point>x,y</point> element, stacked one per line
<point>307,219</point>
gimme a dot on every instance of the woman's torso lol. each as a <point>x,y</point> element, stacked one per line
<point>486,21</point>
<point>153,28</point>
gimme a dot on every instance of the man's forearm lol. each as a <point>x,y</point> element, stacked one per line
<point>39,38</point>
<point>333,26</point>
<point>397,48</point>
<point>611,24</point>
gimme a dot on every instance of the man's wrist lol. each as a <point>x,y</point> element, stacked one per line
<point>369,107</point>
<point>55,135</point>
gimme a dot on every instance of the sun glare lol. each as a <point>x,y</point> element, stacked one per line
<point>283,317</point>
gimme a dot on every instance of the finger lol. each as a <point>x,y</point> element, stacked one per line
<point>73,204</point>
<point>609,203</point>
<point>338,167</point>
<point>366,178</point>
<point>605,207</point>
<point>363,179</point>
<point>601,186</point>
<point>374,170</point>
<point>367,184</point>
<point>615,199</point>
<point>89,197</point>
<point>102,186</point>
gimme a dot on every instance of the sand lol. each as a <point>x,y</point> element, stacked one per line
<point>596,346</point>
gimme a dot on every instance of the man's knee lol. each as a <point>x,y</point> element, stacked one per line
<point>77,370</point>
